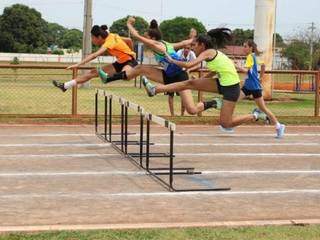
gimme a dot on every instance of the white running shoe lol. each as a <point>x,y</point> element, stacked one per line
<point>280,131</point>
<point>226,130</point>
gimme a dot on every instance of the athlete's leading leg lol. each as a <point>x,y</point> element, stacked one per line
<point>82,78</point>
<point>127,74</point>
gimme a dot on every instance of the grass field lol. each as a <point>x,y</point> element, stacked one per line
<point>29,91</point>
<point>245,233</point>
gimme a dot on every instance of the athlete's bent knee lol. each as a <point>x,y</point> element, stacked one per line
<point>191,110</point>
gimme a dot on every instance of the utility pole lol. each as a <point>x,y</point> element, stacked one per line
<point>87,25</point>
<point>86,37</point>
<point>274,38</point>
<point>264,30</point>
<point>312,28</point>
<point>161,9</point>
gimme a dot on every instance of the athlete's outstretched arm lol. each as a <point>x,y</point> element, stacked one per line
<point>192,35</point>
<point>207,54</point>
<point>182,44</point>
<point>90,57</point>
<point>155,45</point>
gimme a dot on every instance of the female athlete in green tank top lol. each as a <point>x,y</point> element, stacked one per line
<point>222,77</point>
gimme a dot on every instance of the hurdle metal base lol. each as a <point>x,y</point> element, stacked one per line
<point>201,190</point>
<point>158,155</point>
<point>132,143</point>
<point>142,158</point>
<point>177,173</point>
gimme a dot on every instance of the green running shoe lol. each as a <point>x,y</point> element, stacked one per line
<point>150,88</point>
<point>103,75</point>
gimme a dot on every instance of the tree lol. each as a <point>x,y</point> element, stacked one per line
<point>178,29</point>
<point>298,53</point>
<point>240,36</point>
<point>24,28</point>
<point>55,34</point>
<point>279,41</point>
<point>120,26</point>
<point>72,39</point>
<point>298,50</point>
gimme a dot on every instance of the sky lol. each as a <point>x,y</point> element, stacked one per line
<point>293,16</point>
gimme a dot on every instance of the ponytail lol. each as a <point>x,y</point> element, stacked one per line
<point>104,27</point>
<point>216,38</point>
<point>220,36</point>
<point>154,30</point>
<point>100,31</point>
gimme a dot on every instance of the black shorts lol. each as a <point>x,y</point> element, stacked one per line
<point>229,93</point>
<point>119,66</point>
<point>179,77</point>
<point>171,94</point>
<point>254,93</point>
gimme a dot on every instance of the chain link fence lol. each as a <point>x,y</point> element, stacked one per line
<point>28,90</point>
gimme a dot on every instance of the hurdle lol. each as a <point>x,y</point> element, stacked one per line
<point>142,158</point>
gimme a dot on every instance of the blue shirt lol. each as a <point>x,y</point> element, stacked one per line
<point>252,81</point>
<point>170,69</point>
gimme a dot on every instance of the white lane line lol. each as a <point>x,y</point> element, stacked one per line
<point>236,134</point>
<point>56,145</point>
<point>49,135</point>
<point>166,134</point>
<point>273,155</point>
<point>272,172</point>
<point>158,144</point>
<point>63,174</point>
<point>126,226</point>
<point>24,156</point>
<point>242,144</point>
<point>139,173</point>
<point>94,195</point>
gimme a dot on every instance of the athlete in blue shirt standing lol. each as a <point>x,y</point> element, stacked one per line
<point>252,85</point>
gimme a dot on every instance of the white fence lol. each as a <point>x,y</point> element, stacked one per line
<point>51,58</point>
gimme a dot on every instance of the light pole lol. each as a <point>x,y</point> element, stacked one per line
<point>87,25</point>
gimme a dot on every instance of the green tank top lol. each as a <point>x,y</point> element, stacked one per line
<point>225,69</point>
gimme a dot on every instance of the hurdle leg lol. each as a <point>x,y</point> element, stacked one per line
<point>105,117</point>
<point>126,129</point>
<point>148,145</point>
<point>96,112</point>
<point>141,139</point>
<point>171,160</point>
<point>122,127</point>
<point>110,119</point>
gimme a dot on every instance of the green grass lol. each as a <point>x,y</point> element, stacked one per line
<point>26,91</point>
<point>244,233</point>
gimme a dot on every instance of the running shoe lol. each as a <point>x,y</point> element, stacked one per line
<point>103,75</point>
<point>59,85</point>
<point>218,103</point>
<point>150,88</point>
<point>226,130</point>
<point>280,131</point>
<point>259,115</point>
